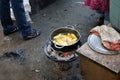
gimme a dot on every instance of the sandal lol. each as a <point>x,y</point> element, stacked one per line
<point>10,32</point>
<point>35,33</point>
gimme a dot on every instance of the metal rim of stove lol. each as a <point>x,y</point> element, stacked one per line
<point>55,59</point>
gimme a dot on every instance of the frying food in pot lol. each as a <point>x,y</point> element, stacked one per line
<point>65,39</point>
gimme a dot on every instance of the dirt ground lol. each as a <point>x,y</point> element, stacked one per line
<point>36,65</point>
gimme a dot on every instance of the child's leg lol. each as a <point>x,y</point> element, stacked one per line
<point>106,15</point>
<point>100,12</point>
<point>100,19</point>
<point>107,19</point>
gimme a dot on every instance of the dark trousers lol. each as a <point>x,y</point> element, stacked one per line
<point>19,12</point>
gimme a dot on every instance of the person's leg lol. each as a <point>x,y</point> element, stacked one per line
<point>106,14</point>
<point>6,20</point>
<point>0,10</point>
<point>100,19</point>
<point>107,19</point>
<point>19,13</point>
<point>23,24</point>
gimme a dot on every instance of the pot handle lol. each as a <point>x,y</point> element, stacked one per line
<point>59,47</point>
<point>70,26</point>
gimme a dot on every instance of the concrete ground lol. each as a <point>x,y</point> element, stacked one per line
<point>36,65</point>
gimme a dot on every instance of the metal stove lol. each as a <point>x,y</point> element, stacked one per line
<point>62,59</point>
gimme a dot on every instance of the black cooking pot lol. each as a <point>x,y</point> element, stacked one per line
<point>65,30</point>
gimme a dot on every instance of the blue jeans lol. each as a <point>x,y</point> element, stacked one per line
<point>19,12</point>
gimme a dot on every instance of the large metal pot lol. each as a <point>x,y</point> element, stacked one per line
<point>65,30</point>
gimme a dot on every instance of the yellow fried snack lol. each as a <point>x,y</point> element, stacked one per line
<point>65,39</point>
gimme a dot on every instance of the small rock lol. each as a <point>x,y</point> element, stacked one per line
<point>7,38</point>
<point>37,70</point>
